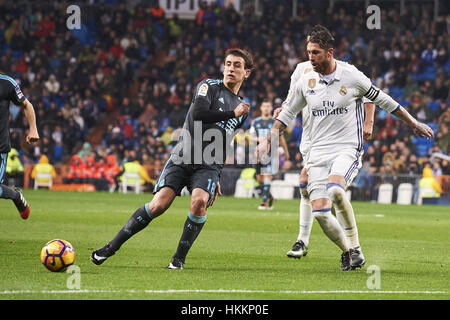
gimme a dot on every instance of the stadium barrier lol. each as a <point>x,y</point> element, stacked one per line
<point>366,187</point>
<point>400,188</point>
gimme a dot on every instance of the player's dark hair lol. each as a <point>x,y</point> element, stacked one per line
<point>244,54</point>
<point>322,36</point>
<point>266,100</point>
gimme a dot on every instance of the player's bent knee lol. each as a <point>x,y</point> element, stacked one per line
<point>198,204</point>
<point>158,207</point>
<point>322,216</point>
<point>336,193</point>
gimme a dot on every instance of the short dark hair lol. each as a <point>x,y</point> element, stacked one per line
<point>244,54</point>
<point>266,100</point>
<point>322,36</point>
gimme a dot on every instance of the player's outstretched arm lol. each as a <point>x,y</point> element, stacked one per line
<point>368,90</point>
<point>33,135</point>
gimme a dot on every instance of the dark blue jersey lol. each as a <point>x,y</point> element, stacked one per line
<point>9,92</point>
<point>212,107</point>
<point>261,127</point>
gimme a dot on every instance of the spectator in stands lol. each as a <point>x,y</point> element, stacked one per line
<point>443,138</point>
<point>410,87</point>
<point>412,166</point>
<point>419,108</point>
<point>444,118</point>
<point>90,169</point>
<point>429,187</point>
<point>14,168</point>
<point>296,133</point>
<point>445,167</point>
<point>52,85</point>
<point>418,54</point>
<point>429,55</point>
<point>167,136</point>
<point>133,166</point>
<point>437,170</point>
<point>76,171</point>
<point>86,152</point>
<point>157,13</point>
<point>441,91</point>
<point>43,166</point>
<point>110,170</point>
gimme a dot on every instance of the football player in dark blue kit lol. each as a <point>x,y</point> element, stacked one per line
<point>259,129</point>
<point>10,92</point>
<point>216,111</point>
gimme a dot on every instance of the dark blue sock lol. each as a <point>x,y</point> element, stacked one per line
<point>138,221</point>
<point>266,192</point>
<point>191,230</point>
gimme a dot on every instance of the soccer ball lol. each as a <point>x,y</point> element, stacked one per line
<point>57,255</point>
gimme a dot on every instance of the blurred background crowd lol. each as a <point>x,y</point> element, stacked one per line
<point>117,89</point>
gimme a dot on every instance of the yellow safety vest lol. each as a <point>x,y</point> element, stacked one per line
<point>426,188</point>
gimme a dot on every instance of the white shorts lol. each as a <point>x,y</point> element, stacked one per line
<point>342,162</point>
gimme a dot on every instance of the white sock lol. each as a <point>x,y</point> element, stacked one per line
<point>306,218</point>
<point>331,227</point>
<point>344,213</point>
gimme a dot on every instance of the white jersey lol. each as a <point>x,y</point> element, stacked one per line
<point>335,109</point>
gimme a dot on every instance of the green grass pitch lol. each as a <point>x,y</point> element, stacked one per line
<point>240,254</point>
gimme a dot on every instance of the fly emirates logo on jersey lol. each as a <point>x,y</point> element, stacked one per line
<point>328,109</point>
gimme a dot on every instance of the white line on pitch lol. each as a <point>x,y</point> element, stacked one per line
<point>168,291</point>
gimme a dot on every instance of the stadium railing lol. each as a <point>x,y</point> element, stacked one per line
<point>365,188</point>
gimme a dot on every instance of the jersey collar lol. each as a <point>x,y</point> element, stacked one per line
<point>225,87</point>
<point>337,74</point>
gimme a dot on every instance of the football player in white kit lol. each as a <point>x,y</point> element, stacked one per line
<point>333,91</point>
<point>300,247</point>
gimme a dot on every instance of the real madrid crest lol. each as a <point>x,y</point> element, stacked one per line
<point>343,91</point>
<point>312,83</point>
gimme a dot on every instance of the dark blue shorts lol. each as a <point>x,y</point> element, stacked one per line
<point>178,176</point>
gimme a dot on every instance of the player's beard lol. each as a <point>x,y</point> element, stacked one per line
<point>322,67</point>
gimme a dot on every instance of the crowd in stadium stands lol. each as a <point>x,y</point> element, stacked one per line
<point>136,60</point>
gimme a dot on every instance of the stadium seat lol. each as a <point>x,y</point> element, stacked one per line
<point>429,73</point>
<point>447,66</point>
<point>17,54</point>
<point>396,92</point>
<point>281,190</point>
<point>143,53</point>
<point>385,193</point>
<point>405,193</point>
<point>433,105</point>
<point>43,180</point>
<point>422,145</point>
<point>245,188</point>
<point>132,180</point>
<point>292,179</point>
